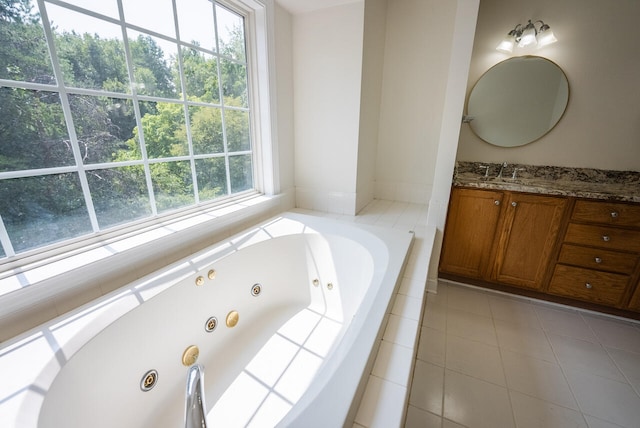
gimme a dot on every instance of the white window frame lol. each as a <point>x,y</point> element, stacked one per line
<point>214,217</point>
<point>258,15</point>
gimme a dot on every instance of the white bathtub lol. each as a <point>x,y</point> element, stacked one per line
<point>296,357</point>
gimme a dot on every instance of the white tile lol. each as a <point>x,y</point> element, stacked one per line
<point>474,402</point>
<point>418,418</point>
<point>584,355</point>
<point>538,378</point>
<point>475,359</point>
<point>407,306</point>
<point>431,347</point>
<point>564,322</point>
<point>403,331</point>
<point>531,412</point>
<point>468,300</point>
<point>427,387</point>
<point>412,287</point>
<point>523,339</point>
<point>471,326</point>
<point>605,399</point>
<point>615,334</point>
<point>382,405</point>
<point>393,363</point>
<point>514,311</point>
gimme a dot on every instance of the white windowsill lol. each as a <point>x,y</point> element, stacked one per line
<point>24,288</point>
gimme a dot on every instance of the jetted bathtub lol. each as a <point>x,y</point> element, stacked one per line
<point>285,318</point>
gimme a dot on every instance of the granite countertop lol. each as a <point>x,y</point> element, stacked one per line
<point>552,180</point>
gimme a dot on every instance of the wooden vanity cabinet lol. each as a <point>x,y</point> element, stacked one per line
<point>528,237</point>
<point>600,253</point>
<point>469,235</point>
<point>500,236</point>
<point>576,251</point>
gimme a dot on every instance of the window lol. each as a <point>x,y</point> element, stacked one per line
<point>116,111</point>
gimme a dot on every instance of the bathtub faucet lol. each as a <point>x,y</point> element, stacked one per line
<point>195,408</point>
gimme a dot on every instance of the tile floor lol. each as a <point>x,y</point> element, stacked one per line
<point>497,361</point>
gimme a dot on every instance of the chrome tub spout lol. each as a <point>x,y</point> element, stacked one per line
<point>195,409</point>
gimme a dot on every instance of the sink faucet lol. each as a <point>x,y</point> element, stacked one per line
<point>195,408</point>
<point>502,167</point>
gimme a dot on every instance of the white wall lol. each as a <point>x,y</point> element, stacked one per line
<point>598,50</point>
<point>375,17</point>
<point>327,71</point>
<point>417,52</point>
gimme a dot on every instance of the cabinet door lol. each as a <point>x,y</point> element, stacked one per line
<point>470,232</point>
<point>527,240</point>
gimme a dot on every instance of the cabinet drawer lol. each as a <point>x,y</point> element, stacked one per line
<point>607,213</point>
<point>589,285</point>
<point>597,258</point>
<point>603,237</point>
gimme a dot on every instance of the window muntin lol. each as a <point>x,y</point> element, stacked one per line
<point>118,131</point>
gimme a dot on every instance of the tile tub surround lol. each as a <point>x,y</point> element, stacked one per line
<point>552,180</point>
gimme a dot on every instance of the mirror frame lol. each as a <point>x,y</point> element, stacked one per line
<point>470,116</point>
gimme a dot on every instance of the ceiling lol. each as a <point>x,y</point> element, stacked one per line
<point>302,6</point>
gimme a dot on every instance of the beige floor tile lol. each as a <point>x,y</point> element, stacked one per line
<point>471,326</point>
<point>435,315</point>
<point>537,378</point>
<point>564,322</point>
<point>418,418</point>
<point>550,359</point>
<point>431,347</point>
<point>525,340</point>
<point>584,355</point>
<point>450,424</point>
<point>475,403</point>
<point>475,359</point>
<point>597,423</point>
<point>513,310</point>
<point>427,387</point>
<point>605,399</point>
<point>531,412</point>
<point>629,364</point>
<point>468,300</point>
<point>615,334</point>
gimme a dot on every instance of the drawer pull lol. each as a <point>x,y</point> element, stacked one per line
<point>588,286</point>
<point>514,204</point>
<point>614,214</point>
<point>598,260</point>
<point>496,202</point>
<point>606,238</point>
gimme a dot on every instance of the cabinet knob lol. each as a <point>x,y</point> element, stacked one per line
<point>514,204</point>
<point>606,238</point>
<point>614,214</point>
<point>496,202</point>
<point>598,260</point>
<point>588,286</point>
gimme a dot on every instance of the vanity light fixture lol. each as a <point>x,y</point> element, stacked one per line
<point>527,35</point>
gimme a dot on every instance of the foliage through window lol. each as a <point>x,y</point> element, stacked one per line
<point>105,121</point>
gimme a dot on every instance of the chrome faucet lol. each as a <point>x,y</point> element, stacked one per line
<point>502,167</point>
<point>195,409</point>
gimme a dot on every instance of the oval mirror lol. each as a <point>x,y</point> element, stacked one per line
<point>517,101</point>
